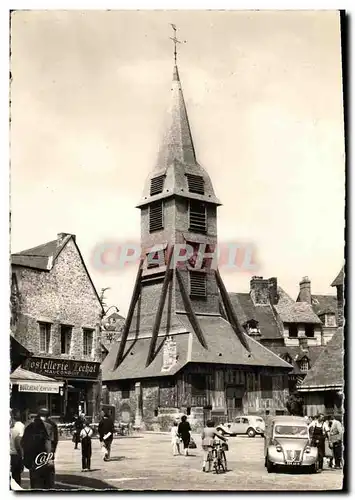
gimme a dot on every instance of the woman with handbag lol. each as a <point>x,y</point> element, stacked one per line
<point>184,433</point>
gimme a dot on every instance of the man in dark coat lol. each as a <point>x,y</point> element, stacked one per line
<point>39,444</point>
<point>106,431</point>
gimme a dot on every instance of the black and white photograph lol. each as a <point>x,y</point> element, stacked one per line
<point>177,240</point>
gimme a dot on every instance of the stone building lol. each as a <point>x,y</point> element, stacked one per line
<point>56,314</point>
<point>290,329</point>
<point>182,348</point>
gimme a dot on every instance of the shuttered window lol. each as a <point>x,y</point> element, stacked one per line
<point>198,217</point>
<point>44,337</point>
<point>198,284</point>
<point>156,216</point>
<point>156,185</point>
<point>196,184</point>
<point>65,339</point>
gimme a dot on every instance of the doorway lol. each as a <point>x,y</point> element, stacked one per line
<point>234,399</point>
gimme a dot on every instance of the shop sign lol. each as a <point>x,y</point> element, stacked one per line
<point>66,368</point>
<point>38,387</point>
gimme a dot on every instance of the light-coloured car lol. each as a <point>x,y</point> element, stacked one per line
<point>287,443</point>
<point>244,424</point>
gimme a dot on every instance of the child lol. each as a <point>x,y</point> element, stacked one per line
<point>85,436</point>
<point>175,439</point>
<point>208,436</point>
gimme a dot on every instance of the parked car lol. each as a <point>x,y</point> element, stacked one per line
<point>244,424</point>
<point>287,443</point>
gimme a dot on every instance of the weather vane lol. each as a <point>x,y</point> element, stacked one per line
<point>175,40</point>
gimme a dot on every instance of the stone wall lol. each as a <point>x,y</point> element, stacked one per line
<point>63,295</point>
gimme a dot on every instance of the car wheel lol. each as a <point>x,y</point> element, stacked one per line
<point>262,435</point>
<point>269,465</point>
<point>251,432</point>
<point>314,468</point>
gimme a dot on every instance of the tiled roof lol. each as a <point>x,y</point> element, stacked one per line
<point>223,347</point>
<point>21,374</point>
<point>328,371</point>
<point>245,309</point>
<point>339,280</point>
<point>40,257</point>
<point>294,312</point>
<point>296,354</point>
<point>324,304</point>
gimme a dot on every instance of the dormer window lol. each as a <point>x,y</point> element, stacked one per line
<point>156,185</point>
<point>197,217</point>
<point>195,183</point>
<point>288,359</point>
<point>252,327</point>
<point>309,330</point>
<point>330,320</point>
<point>293,330</point>
<point>156,216</point>
<point>304,364</point>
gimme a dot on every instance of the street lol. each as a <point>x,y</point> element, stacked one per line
<point>144,462</point>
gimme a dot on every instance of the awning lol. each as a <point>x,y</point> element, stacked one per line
<point>33,382</point>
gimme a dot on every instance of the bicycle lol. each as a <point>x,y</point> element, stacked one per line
<point>217,457</point>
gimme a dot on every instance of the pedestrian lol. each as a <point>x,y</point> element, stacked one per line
<point>39,443</point>
<point>317,432</point>
<point>328,450</point>
<point>17,430</point>
<point>86,450</point>
<point>336,441</point>
<point>209,434</point>
<point>175,439</point>
<point>106,430</point>
<point>184,433</point>
<point>78,425</point>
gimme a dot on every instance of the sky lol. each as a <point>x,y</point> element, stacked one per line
<point>263,91</point>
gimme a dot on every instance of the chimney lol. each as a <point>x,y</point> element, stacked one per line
<point>61,236</point>
<point>259,290</point>
<point>305,290</point>
<point>273,295</point>
<point>263,291</point>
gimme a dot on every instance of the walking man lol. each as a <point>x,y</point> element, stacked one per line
<point>39,443</point>
<point>336,441</point>
<point>17,430</point>
<point>106,430</point>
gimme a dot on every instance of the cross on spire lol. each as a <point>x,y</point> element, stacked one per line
<point>175,40</point>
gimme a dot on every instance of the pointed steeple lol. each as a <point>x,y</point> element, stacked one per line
<point>177,143</point>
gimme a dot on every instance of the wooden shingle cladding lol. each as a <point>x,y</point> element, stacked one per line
<point>156,185</point>
<point>156,220</point>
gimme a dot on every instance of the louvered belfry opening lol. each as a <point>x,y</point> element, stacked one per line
<point>156,185</point>
<point>156,216</point>
<point>198,217</point>
<point>196,183</point>
<point>198,284</point>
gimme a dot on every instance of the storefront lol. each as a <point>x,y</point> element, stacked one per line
<point>81,386</point>
<point>30,391</point>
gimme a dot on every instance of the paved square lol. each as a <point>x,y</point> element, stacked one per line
<point>145,462</point>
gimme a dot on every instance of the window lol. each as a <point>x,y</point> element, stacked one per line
<point>88,337</point>
<point>65,339</point>
<point>330,320</point>
<point>44,337</point>
<point>195,183</point>
<point>155,216</point>
<point>198,285</point>
<point>309,330</point>
<point>198,217</point>
<point>156,185</point>
<point>188,411</point>
<point>198,385</point>
<point>266,386</point>
<point>293,330</point>
<point>125,391</point>
<point>304,365</point>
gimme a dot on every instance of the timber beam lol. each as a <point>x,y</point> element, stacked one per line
<point>232,317</point>
<point>127,325</point>
<point>162,299</point>
<point>189,309</point>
